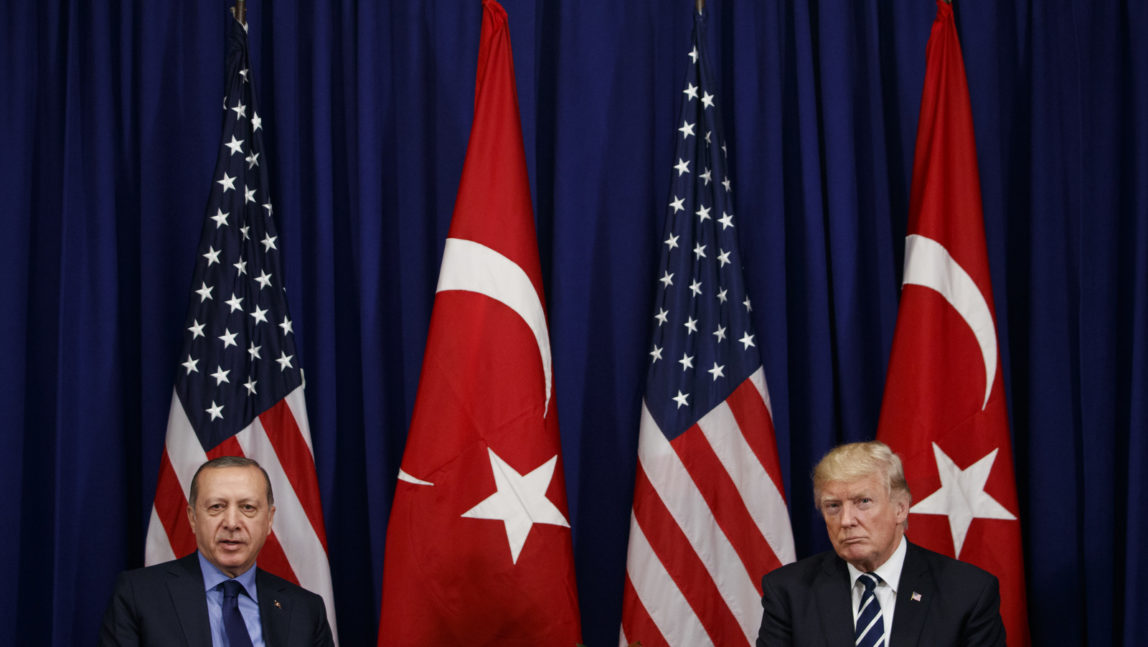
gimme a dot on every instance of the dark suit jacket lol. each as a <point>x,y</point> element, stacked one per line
<point>165,605</point>
<point>809,603</point>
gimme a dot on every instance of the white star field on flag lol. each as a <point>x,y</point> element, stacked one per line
<point>700,280</point>
<point>238,324</point>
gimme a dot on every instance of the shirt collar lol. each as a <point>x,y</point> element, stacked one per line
<point>889,572</point>
<point>213,577</point>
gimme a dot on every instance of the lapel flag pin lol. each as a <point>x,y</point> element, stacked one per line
<point>916,597</point>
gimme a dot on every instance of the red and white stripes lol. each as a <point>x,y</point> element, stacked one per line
<point>280,440</point>
<point>709,519</point>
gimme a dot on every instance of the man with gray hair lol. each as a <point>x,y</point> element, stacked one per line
<point>874,575</point>
<point>216,595</point>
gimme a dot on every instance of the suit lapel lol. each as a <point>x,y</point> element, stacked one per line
<point>915,593</point>
<point>832,590</point>
<point>186,588</point>
<point>274,610</point>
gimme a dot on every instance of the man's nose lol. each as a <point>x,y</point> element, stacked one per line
<point>848,516</point>
<point>231,517</point>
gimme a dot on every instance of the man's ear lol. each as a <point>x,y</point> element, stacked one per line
<point>191,515</point>
<point>901,506</point>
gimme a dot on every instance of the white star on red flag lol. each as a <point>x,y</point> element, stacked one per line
<point>962,495</point>
<point>519,502</point>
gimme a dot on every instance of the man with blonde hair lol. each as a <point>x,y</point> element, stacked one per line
<point>873,576</point>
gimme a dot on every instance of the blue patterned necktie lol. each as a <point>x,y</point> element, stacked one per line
<point>233,624</point>
<point>870,630</point>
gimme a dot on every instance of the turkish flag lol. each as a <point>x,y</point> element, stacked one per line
<point>944,410</point>
<point>479,547</point>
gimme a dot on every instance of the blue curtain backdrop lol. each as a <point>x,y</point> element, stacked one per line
<point>109,126</point>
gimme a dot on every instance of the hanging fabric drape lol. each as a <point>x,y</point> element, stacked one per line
<point>109,124</point>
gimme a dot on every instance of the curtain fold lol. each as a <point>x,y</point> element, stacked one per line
<point>109,119</point>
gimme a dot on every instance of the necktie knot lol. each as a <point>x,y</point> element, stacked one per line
<point>232,589</point>
<point>868,580</point>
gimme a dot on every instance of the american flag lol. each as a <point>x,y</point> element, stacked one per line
<point>239,387</point>
<point>709,516</point>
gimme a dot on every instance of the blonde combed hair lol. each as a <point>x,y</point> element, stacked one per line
<point>853,461</point>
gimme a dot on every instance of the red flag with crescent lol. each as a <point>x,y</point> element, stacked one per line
<point>479,548</point>
<point>944,409</point>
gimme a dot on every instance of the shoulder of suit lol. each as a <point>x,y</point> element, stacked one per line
<point>175,567</point>
<point>945,564</point>
<point>274,582</point>
<point>803,568</point>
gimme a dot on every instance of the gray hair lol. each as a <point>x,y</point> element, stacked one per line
<point>228,461</point>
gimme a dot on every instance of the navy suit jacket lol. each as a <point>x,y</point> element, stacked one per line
<point>166,605</point>
<point>809,603</point>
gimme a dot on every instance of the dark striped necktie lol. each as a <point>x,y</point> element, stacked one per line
<point>870,630</point>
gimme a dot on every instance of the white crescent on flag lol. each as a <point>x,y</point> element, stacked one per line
<point>929,264</point>
<point>473,267</point>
